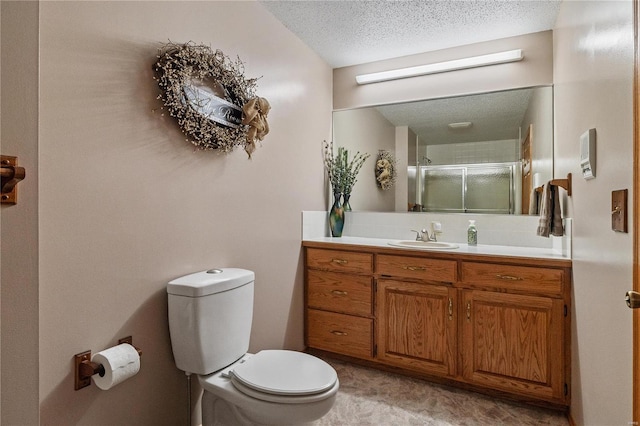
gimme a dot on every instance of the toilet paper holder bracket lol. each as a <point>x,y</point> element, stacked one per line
<point>85,368</point>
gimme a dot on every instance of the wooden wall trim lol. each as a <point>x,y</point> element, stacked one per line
<point>636,207</point>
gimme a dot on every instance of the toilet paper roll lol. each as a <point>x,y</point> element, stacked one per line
<point>120,363</point>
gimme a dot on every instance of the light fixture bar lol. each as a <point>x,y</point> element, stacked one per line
<point>438,67</point>
<point>460,125</point>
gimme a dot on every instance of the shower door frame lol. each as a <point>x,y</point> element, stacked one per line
<point>513,167</point>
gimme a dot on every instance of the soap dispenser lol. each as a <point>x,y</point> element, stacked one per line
<point>472,233</point>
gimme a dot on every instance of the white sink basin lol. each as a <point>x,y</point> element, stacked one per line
<point>424,245</point>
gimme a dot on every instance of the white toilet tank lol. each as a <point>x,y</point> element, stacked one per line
<point>210,314</point>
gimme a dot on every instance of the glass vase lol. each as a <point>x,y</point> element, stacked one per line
<point>336,217</point>
<point>345,202</point>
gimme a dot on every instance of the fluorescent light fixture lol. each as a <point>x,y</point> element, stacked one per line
<point>457,64</point>
<point>460,125</point>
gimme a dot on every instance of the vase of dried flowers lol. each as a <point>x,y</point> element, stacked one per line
<point>350,174</point>
<point>342,173</point>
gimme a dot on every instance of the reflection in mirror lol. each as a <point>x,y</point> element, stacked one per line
<point>482,153</point>
<point>465,188</point>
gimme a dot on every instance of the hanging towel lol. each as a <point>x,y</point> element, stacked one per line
<point>550,213</point>
<point>534,201</point>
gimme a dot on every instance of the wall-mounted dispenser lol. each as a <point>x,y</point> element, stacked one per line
<point>588,154</point>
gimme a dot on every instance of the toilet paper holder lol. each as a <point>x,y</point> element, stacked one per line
<point>85,368</point>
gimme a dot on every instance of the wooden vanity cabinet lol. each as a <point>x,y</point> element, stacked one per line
<point>483,322</point>
<point>339,302</point>
<point>515,329</point>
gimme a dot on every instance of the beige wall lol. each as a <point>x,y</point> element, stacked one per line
<point>406,143</point>
<point>541,118</point>
<point>125,204</point>
<point>19,228</point>
<point>535,69</point>
<point>593,73</point>
<point>366,131</point>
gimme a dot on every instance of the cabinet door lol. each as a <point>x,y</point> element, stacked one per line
<point>417,326</point>
<point>514,343</point>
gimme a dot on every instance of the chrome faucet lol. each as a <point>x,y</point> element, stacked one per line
<point>423,235</point>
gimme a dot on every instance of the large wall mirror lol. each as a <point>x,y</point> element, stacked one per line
<point>481,153</point>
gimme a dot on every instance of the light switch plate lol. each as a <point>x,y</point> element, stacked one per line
<point>619,210</point>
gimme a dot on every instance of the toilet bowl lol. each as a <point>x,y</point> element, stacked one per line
<point>210,316</point>
<point>273,387</point>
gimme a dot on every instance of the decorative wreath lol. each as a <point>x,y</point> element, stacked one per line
<point>206,92</point>
<point>385,170</point>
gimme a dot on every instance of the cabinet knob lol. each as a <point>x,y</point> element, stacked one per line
<point>338,333</point>
<point>339,292</point>
<point>450,309</point>
<point>468,311</point>
<point>340,261</point>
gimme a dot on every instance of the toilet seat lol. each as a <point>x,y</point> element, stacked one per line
<point>283,376</point>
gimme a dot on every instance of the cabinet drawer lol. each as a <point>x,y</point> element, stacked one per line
<point>417,267</point>
<point>344,334</point>
<point>528,279</point>
<point>333,291</point>
<point>339,261</point>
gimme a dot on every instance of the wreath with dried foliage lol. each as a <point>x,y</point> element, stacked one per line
<point>181,66</point>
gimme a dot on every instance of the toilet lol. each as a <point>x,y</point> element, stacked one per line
<point>210,315</point>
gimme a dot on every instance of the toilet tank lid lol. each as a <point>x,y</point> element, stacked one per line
<point>209,282</point>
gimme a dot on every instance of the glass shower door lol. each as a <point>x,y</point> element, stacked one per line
<point>472,188</point>
<point>443,189</point>
<point>489,189</point>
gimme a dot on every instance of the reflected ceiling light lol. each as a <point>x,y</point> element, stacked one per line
<point>461,125</point>
<point>457,64</point>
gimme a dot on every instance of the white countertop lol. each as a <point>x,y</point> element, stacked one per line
<point>482,249</point>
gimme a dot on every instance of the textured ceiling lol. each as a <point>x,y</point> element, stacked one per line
<point>347,33</point>
<point>494,116</point>
<point>354,32</point>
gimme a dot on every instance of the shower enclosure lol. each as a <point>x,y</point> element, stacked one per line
<point>466,188</point>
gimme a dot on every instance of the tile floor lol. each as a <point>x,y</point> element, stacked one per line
<point>368,397</point>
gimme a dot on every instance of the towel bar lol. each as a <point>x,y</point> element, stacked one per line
<point>563,183</point>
